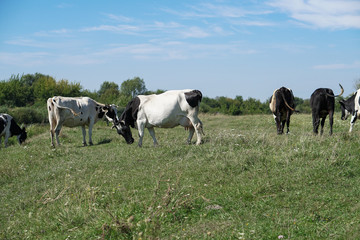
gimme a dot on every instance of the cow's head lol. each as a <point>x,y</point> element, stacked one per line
<point>124,131</point>
<point>344,112</point>
<point>22,136</point>
<point>110,112</point>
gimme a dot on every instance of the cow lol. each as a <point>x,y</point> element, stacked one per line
<point>165,110</point>
<point>351,107</point>
<point>9,128</point>
<point>74,112</point>
<point>322,103</point>
<point>282,106</point>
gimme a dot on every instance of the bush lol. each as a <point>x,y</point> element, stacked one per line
<point>28,115</point>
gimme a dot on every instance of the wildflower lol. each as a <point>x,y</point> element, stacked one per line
<point>280,236</point>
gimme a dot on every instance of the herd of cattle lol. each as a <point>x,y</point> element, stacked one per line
<point>170,109</point>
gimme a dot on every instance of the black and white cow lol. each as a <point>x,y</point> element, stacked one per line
<point>9,128</point>
<point>74,112</point>
<point>166,110</point>
<point>322,103</point>
<point>351,107</point>
<point>282,105</point>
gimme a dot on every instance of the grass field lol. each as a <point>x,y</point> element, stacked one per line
<point>244,182</point>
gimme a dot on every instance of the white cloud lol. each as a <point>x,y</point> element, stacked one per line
<point>333,14</point>
<point>27,59</point>
<point>128,29</point>
<point>118,18</point>
<point>194,32</point>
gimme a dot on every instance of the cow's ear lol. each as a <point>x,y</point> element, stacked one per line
<point>341,102</point>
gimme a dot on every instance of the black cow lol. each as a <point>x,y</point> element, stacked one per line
<point>322,103</point>
<point>351,107</point>
<point>282,106</point>
<point>9,128</point>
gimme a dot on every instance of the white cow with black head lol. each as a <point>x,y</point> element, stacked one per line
<point>351,106</point>
<point>9,128</point>
<point>74,112</point>
<point>166,110</point>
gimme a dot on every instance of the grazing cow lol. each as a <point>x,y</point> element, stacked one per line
<point>9,128</point>
<point>166,110</point>
<point>74,112</point>
<point>351,107</point>
<point>322,103</point>
<point>282,106</point>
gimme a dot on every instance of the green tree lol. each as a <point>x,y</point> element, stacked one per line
<point>133,87</point>
<point>109,92</point>
<point>44,88</point>
<point>66,89</point>
<point>14,93</point>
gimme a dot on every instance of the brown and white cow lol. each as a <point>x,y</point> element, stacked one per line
<point>322,103</point>
<point>9,128</point>
<point>74,112</point>
<point>166,110</point>
<point>282,105</point>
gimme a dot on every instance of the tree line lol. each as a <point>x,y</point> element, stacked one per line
<point>33,90</point>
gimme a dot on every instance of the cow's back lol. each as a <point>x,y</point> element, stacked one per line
<point>321,99</point>
<point>84,108</point>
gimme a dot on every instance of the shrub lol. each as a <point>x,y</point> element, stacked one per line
<point>28,115</point>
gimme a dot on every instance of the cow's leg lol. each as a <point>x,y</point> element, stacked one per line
<point>316,123</point>
<point>288,122</point>
<point>7,135</point>
<point>331,121</point>
<point>91,124</point>
<point>282,126</point>
<point>57,132</point>
<point>141,127</point>
<point>191,134</point>
<point>197,124</point>
<point>152,133</point>
<point>186,123</point>
<point>353,120</point>
<point>52,131</point>
<point>322,125</point>
<point>277,118</point>
<point>84,135</point>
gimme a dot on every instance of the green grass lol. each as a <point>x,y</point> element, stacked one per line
<point>244,182</point>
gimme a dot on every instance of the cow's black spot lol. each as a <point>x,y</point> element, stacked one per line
<point>80,119</point>
<point>193,97</point>
<point>49,108</point>
<point>130,113</point>
<point>96,108</point>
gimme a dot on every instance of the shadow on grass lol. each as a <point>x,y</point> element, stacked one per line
<point>104,141</point>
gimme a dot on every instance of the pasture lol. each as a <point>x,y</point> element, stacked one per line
<point>244,182</point>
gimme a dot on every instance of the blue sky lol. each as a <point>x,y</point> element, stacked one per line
<point>223,48</point>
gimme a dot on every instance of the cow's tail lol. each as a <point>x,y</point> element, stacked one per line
<point>286,103</point>
<point>53,101</point>
<point>342,91</point>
